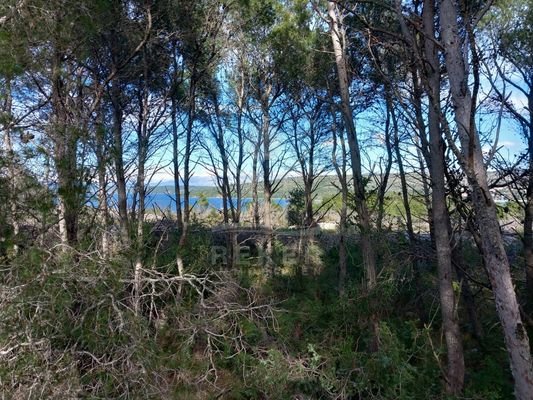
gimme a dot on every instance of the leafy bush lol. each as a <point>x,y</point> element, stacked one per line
<point>296,208</point>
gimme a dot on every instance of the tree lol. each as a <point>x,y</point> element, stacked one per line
<point>339,40</point>
<point>201,38</point>
<point>429,69</point>
<point>265,111</point>
<point>13,60</point>
<point>223,110</point>
<point>340,156</point>
<point>470,156</point>
<point>512,58</point>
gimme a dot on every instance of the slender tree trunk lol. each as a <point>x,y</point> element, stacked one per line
<point>422,145</point>
<point>191,115</point>
<point>237,209</point>
<point>308,188</point>
<point>142,154</point>
<point>528,213</point>
<point>175,138</point>
<point>450,321</point>
<point>12,174</point>
<point>338,38</point>
<point>139,256</point>
<point>309,219</point>
<point>101,161</point>
<point>45,215</point>
<point>385,177</point>
<point>187,160</point>
<point>472,162</point>
<point>403,182</point>
<point>175,164</point>
<point>118,159</point>
<point>452,333</point>
<point>267,184</point>
<point>528,242</point>
<point>308,173</point>
<point>340,169</point>
<point>224,186</point>
<point>65,146</point>
<point>241,143</point>
<point>427,194</point>
<point>255,184</point>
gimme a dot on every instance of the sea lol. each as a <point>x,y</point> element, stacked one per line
<point>165,202</point>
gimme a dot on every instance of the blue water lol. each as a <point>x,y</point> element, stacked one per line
<point>164,201</point>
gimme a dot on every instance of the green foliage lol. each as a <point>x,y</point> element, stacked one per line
<point>69,320</point>
<point>296,208</point>
<point>511,22</point>
<point>72,318</point>
<point>203,202</point>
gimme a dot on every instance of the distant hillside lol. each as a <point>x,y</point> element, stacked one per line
<point>209,191</point>
<point>326,188</point>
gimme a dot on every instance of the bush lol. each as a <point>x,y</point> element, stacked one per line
<point>296,208</point>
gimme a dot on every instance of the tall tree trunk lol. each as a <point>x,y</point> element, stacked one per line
<point>422,144</point>
<point>223,182</point>
<point>12,173</point>
<point>528,212</point>
<point>191,115</point>
<point>309,219</point>
<point>65,146</point>
<point>118,159</point>
<point>238,179</point>
<point>382,190</point>
<point>403,182</point>
<point>452,332</point>
<point>101,161</point>
<point>255,183</point>
<point>175,137</point>
<point>142,154</point>
<point>338,38</point>
<point>340,169</point>
<point>450,321</point>
<point>175,164</point>
<point>237,206</point>
<point>471,159</point>
<point>267,184</point>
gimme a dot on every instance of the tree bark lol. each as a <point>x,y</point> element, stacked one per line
<point>267,184</point>
<point>175,152</point>
<point>340,169</point>
<point>12,174</point>
<point>452,333</point>
<point>65,142</point>
<point>440,216</point>
<point>471,159</point>
<point>422,145</point>
<point>101,161</point>
<point>338,38</point>
<point>255,183</point>
<point>143,136</point>
<point>528,212</point>
<point>388,146</point>
<point>191,115</point>
<point>118,160</point>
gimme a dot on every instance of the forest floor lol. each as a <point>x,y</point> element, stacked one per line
<point>220,332</point>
